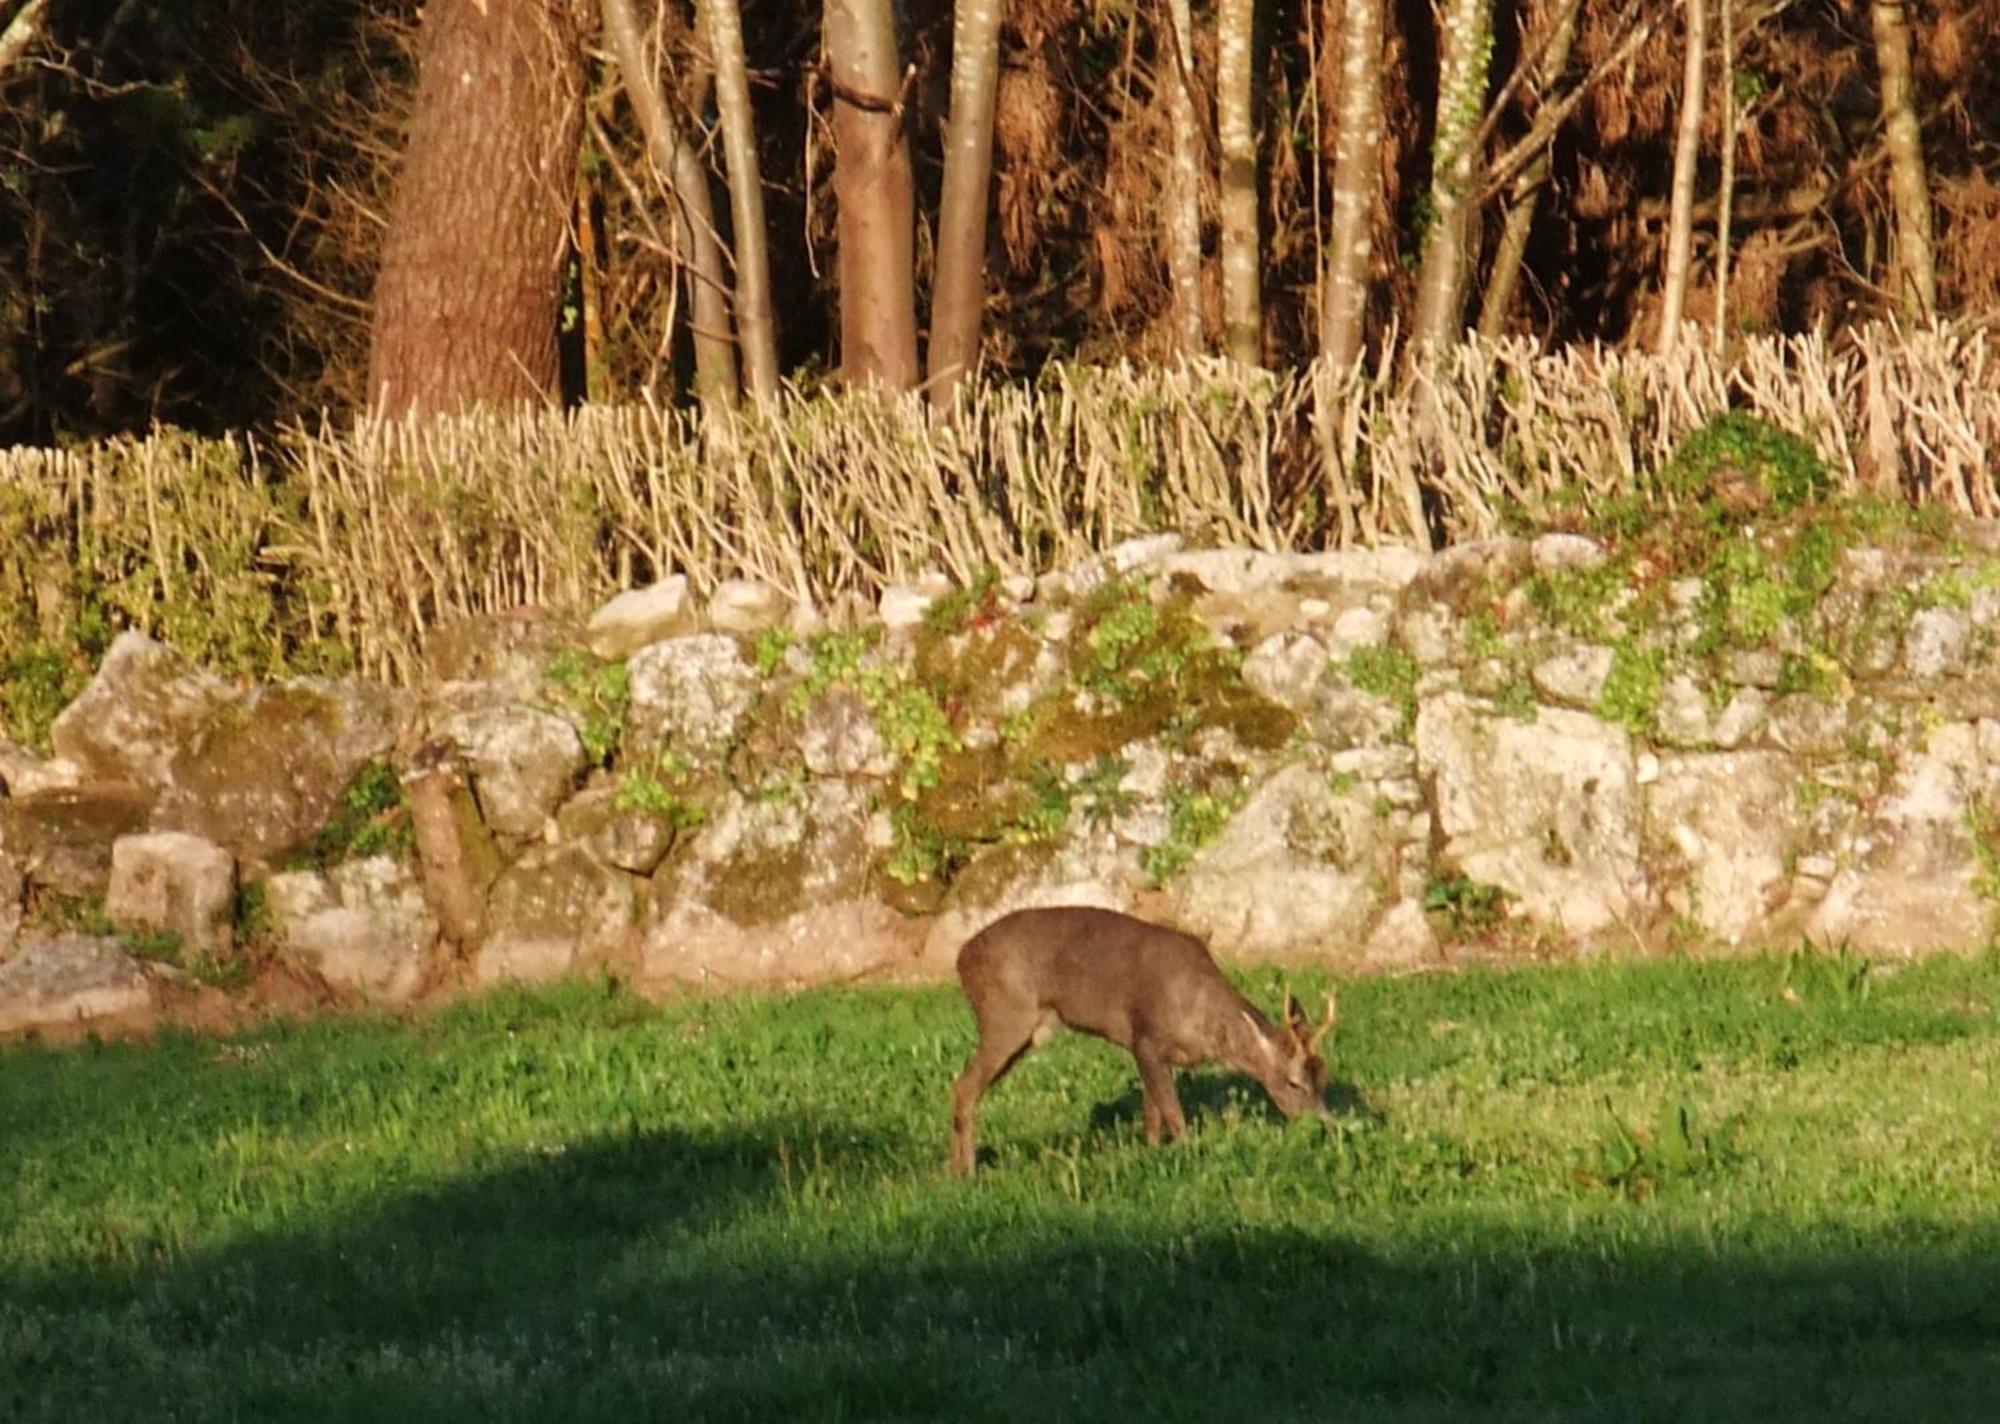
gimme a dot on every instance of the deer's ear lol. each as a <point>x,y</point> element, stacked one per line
<point>1258,1027</point>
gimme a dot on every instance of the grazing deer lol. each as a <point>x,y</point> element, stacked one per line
<point>1146,988</point>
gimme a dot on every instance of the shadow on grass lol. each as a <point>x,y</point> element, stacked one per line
<point>1214,1095</point>
<point>692,1277</point>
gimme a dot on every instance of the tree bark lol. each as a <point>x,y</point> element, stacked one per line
<point>1687,148</point>
<point>22,31</point>
<point>694,211</point>
<point>722,23</point>
<point>872,186</point>
<point>1725,198</point>
<point>469,293</point>
<point>1465,45</point>
<point>1242,296</point>
<point>1357,176</point>
<point>958,299</point>
<point>1909,182</point>
<point>1182,190</point>
<point>1524,194</point>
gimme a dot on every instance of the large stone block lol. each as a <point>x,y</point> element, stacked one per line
<point>175,883</point>
<point>1546,809</point>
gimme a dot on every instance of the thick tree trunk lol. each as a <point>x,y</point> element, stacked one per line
<point>700,250</point>
<point>1687,148</point>
<point>1357,175</point>
<point>877,219</point>
<point>1464,52</point>
<point>1909,183</point>
<point>722,22</point>
<point>958,299</point>
<point>469,293</point>
<point>1182,190</point>
<point>1242,296</point>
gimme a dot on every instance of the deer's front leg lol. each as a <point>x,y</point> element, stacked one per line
<point>1163,1103</point>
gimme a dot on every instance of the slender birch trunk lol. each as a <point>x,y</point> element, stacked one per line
<point>1524,194</point>
<point>1725,200</point>
<point>1182,190</point>
<point>694,213</point>
<point>958,299</point>
<point>1242,297</point>
<point>1465,48</point>
<point>722,24</point>
<point>1909,183</point>
<point>1687,148</point>
<point>1357,175</point>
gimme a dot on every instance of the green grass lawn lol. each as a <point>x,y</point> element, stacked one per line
<point>1673,1190</point>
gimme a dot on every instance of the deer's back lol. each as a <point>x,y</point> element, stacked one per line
<point>1097,970</point>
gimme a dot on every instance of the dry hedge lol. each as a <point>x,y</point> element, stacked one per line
<point>344,545</point>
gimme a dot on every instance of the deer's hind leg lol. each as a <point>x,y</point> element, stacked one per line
<point>1163,1101</point>
<point>1006,1033</point>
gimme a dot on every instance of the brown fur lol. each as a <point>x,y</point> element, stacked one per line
<point>1148,989</point>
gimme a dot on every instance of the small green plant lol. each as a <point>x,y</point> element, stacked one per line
<point>921,851</point>
<point>1580,601</point>
<point>1636,1164</point>
<point>593,694</point>
<point>1461,906</point>
<point>1048,807</point>
<point>664,790</point>
<point>973,606</point>
<point>1102,790</point>
<point>1194,818</point>
<point>371,818</point>
<point>1839,978</point>
<point>1385,670</point>
<point>1631,694</point>
<point>770,648</point>
<point>1518,701</point>
<point>1737,458</point>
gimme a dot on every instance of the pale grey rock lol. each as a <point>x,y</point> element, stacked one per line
<point>553,912</point>
<point>688,696</point>
<point>1912,883</point>
<point>626,837</point>
<point>1809,725</point>
<point>67,980</point>
<point>1292,874</point>
<point>264,771</point>
<point>1684,718</point>
<point>1360,626</point>
<point>639,616</point>
<point>902,607</point>
<point>838,737</point>
<point>175,883</point>
<point>524,763</point>
<point>1743,720</point>
<point>363,925</point>
<point>62,839</point>
<point>1403,939</point>
<point>1574,676</point>
<point>1288,669</point>
<point>1936,643</point>
<point>747,607</point>
<point>131,720</point>
<point>1728,822</point>
<point>1559,553</point>
<point>1548,810</point>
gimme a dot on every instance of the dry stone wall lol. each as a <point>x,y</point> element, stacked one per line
<point>1376,759</point>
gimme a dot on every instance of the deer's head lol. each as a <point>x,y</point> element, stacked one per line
<point>1293,1072</point>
